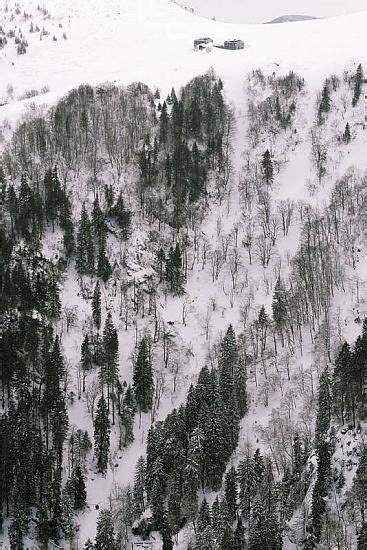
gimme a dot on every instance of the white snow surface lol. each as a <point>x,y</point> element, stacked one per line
<point>247,11</point>
<point>152,41</point>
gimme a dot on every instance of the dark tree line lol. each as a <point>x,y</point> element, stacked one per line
<point>341,394</point>
<point>275,113</point>
<point>350,380</point>
<point>87,125</point>
<point>33,417</point>
<point>191,448</point>
<point>192,141</point>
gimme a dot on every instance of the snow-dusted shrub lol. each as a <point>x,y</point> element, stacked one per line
<point>22,47</point>
<point>28,94</point>
<point>10,91</point>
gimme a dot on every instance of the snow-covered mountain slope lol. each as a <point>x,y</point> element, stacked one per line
<point>152,41</point>
<point>245,11</point>
<point>123,41</point>
<point>291,19</point>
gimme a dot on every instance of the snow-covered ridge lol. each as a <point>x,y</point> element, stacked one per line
<point>244,11</point>
<point>291,19</point>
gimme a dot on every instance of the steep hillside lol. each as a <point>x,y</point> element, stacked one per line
<point>183,282</point>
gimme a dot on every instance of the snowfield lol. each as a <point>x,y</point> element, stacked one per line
<point>151,41</point>
<point>244,11</point>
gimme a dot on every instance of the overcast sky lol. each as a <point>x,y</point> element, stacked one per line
<point>258,11</point>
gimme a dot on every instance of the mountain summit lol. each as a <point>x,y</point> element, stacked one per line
<point>291,19</point>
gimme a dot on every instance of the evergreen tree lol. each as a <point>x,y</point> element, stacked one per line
<point>264,531</point>
<point>97,349</point>
<point>358,82</point>
<point>204,517</point>
<point>173,96</point>
<point>267,168</point>
<point>222,524</point>
<point>161,258</point>
<point>358,378</point>
<point>318,509</point>
<point>127,414</point>
<point>205,540</point>
<point>157,495</point>
<point>25,209</point>
<point>52,195</point>
<point>247,481</point>
<point>67,226</point>
<point>139,487</point>
<point>98,221</point>
<point>360,485</point>
<point>309,543</point>
<point>174,271</point>
<point>240,381</point>
<point>163,124</point>
<point>217,450</point>
<point>279,308</point>
<point>325,103</point>
<point>43,532</point>
<point>297,458</point>
<point>167,541</point>
<point>174,505</point>
<point>346,134</point>
<point>109,196</point>
<point>67,515</point>
<point>79,490</point>
<point>109,368</point>
<point>230,491</point>
<point>59,424</point>
<point>105,536</point>
<point>88,545</point>
<point>85,247</point>
<point>194,118</point>
<point>104,268</point>
<point>343,383</point>
<point>278,110</point>
<point>86,358</point>
<point>16,534</point>
<point>197,177</point>
<point>102,435</point>
<point>143,377</point>
<point>362,537</point>
<point>96,306</point>
<point>323,456</point>
<point>192,477</point>
<point>55,505</point>
<point>259,467</point>
<point>262,325</point>
<point>324,406</point>
<point>239,536</point>
<point>122,217</point>
<point>228,366</point>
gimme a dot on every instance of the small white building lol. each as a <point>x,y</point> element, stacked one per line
<point>202,43</point>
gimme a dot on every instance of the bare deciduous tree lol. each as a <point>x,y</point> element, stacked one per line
<point>264,249</point>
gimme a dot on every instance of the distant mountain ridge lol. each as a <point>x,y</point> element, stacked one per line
<point>291,19</point>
